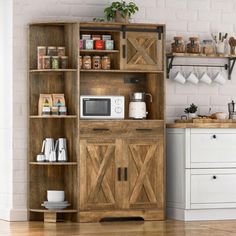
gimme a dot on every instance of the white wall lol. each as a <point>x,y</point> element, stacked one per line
<point>183,17</point>
<point>6,108</point>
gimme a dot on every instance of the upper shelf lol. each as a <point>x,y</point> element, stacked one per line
<point>227,66</point>
<point>98,51</point>
<point>53,70</point>
<point>121,71</point>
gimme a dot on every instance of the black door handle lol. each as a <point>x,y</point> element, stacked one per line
<point>214,136</point>
<point>140,129</point>
<point>125,173</point>
<point>119,174</point>
<point>214,177</point>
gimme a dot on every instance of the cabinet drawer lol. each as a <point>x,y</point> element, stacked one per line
<point>213,187</point>
<point>139,129</point>
<point>213,149</point>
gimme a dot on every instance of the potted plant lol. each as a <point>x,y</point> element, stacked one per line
<point>191,111</point>
<point>120,11</point>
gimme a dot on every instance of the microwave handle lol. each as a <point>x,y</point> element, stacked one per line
<point>101,129</point>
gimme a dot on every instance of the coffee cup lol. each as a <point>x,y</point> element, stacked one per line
<point>192,78</point>
<point>40,157</point>
<point>220,79</point>
<point>179,78</point>
<point>205,78</point>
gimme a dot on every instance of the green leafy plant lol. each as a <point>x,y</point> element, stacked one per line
<point>125,10</point>
<point>191,109</point>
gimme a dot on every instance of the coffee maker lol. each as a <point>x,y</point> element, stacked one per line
<point>137,105</point>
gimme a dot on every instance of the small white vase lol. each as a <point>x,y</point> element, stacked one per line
<point>192,115</point>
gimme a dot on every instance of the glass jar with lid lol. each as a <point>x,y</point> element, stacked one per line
<point>193,46</point>
<point>178,45</point>
<point>208,47</point>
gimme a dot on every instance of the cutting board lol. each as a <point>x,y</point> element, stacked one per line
<point>205,120</point>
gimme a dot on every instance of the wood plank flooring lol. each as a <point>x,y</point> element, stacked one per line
<point>151,228</point>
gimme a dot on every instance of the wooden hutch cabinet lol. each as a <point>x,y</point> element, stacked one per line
<point>117,166</point>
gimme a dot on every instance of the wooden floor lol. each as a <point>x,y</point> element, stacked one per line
<point>170,228</point>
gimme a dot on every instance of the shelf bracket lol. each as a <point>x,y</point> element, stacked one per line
<point>231,64</point>
<point>169,64</point>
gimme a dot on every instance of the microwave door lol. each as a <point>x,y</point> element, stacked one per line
<point>94,107</point>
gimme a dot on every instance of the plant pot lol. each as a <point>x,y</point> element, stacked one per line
<point>120,18</point>
<point>192,115</point>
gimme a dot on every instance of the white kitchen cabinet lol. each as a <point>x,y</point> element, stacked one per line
<point>201,174</point>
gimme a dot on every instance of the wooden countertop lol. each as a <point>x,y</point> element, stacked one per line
<point>201,125</point>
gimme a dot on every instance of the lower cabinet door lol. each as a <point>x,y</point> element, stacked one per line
<point>212,188</point>
<point>98,173</point>
<point>143,183</point>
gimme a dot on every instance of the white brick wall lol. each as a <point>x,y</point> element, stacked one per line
<point>183,17</point>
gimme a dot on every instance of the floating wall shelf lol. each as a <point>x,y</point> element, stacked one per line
<point>227,66</point>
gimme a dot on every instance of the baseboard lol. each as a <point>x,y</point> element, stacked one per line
<point>5,214</point>
<point>18,215</point>
<point>201,214</point>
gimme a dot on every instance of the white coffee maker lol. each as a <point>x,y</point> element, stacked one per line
<point>137,105</point>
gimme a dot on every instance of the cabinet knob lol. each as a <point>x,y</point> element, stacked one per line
<point>214,177</point>
<point>214,136</point>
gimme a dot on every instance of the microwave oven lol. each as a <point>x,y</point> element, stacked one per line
<point>102,107</point>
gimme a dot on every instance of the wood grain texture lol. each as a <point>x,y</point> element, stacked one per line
<point>134,228</point>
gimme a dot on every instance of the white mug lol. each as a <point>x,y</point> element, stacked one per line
<point>205,78</point>
<point>220,79</point>
<point>192,78</point>
<point>180,78</point>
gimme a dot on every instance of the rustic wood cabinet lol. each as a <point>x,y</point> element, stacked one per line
<point>116,167</point>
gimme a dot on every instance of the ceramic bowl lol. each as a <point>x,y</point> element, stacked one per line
<point>221,115</point>
<point>55,195</point>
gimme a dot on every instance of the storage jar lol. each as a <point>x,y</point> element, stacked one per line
<point>99,44</point>
<point>106,63</point>
<point>41,52</point>
<point>52,51</point>
<point>61,51</point>
<point>208,47</point>
<point>109,44</point>
<point>96,62</point>
<point>64,62</point>
<point>193,46</point>
<point>178,46</point>
<point>87,63</point>
<point>55,62</point>
<point>46,62</point>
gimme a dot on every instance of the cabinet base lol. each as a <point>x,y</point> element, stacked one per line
<point>96,216</point>
<point>201,214</point>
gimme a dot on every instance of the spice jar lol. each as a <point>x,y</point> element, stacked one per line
<point>99,44</point>
<point>96,62</point>
<point>61,51</point>
<point>193,46</point>
<point>178,46</point>
<point>87,63</point>
<point>41,52</point>
<point>64,62</point>
<point>55,62</point>
<point>46,62</point>
<point>106,63</point>
<point>52,51</point>
<point>208,47</point>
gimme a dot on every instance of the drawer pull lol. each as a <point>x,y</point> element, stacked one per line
<point>119,174</point>
<point>143,129</point>
<point>100,129</point>
<point>126,173</point>
<point>214,136</point>
<point>214,177</point>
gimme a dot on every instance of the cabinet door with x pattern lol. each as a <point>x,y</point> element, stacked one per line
<point>144,177</point>
<point>99,172</point>
<point>142,51</point>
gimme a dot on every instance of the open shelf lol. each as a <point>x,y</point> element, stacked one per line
<point>57,211</point>
<point>229,65</point>
<point>53,163</point>
<point>52,70</point>
<point>54,117</point>
<point>98,51</point>
<point>120,71</point>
